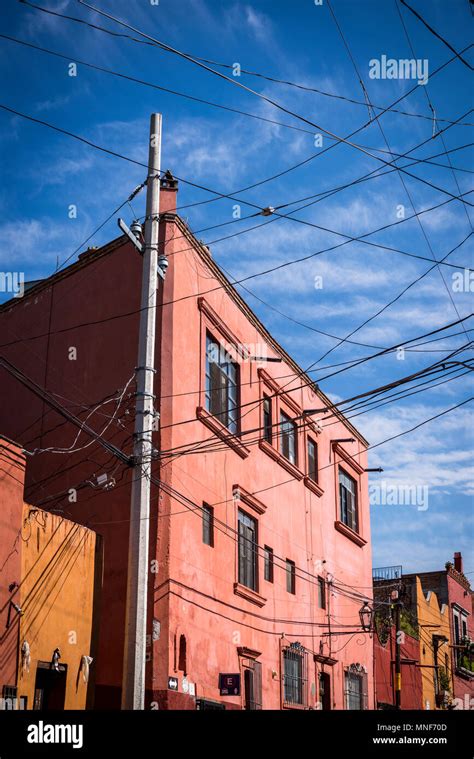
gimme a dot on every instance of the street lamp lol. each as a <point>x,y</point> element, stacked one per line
<point>366,615</point>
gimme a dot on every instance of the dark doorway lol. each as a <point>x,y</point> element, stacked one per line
<point>50,687</point>
<point>325,690</point>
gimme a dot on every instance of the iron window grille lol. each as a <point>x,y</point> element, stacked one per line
<point>295,675</point>
<point>221,385</point>
<point>9,697</point>
<point>288,437</point>
<point>248,551</point>
<point>348,500</point>
<point>355,690</point>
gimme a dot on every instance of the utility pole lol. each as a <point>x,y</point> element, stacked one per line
<point>133,681</point>
<point>398,645</point>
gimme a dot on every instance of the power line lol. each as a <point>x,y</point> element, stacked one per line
<point>436,34</point>
<point>51,401</point>
<point>367,321</point>
<point>229,66</point>
<point>265,98</point>
<point>187,96</point>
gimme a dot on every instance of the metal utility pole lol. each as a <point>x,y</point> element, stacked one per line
<point>398,645</point>
<point>133,682</point>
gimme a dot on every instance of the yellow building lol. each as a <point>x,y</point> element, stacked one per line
<point>434,634</point>
<point>59,588</point>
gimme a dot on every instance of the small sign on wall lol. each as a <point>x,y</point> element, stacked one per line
<point>229,684</point>
<point>173,683</point>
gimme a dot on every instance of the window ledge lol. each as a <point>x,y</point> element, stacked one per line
<point>299,707</point>
<point>349,533</point>
<point>249,594</point>
<point>222,432</point>
<point>280,459</point>
<point>312,485</point>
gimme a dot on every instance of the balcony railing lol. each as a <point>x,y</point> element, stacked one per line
<point>386,573</point>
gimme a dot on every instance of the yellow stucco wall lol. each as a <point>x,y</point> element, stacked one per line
<point>432,620</point>
<point>56,597</point>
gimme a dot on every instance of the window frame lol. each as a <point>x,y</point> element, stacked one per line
<point>294,686</point>
<point>267,419</point>
<point>352,524</point>
<point>291,435</point>
<point>321,593</point>
<point>313,476</point>
<point>290,569</point>
<point>244,561</point>
<point>268,564</point>
<point>208,523</point>
<point>230,416</point>
<point>349,694</point>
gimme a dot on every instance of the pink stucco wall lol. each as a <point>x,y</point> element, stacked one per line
<point>192,585</point>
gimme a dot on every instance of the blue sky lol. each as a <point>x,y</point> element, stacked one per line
<point>44,172</point>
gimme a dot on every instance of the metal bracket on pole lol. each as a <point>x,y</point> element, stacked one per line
<point>133,239</point>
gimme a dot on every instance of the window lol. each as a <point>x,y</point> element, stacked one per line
<point>294,674</point>
<point>208,525</point>
<point>325,690</point>
<point>221,385</point>
<point>267,419</point>
<point>253,685</point>
<point>457,636</point>
<point>290,576</point>
<point>9,697</point>
<point>182,654</point>
<point>288,437</point>
<point>355,690</point>
<point>348,500</point>
<point>321,593</point>
<point>268,564</point>
<point>312,460</point>
<point>248,551</point>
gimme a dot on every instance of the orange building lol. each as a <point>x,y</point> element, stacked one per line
<point>53,582</point>
<point>432,623</point>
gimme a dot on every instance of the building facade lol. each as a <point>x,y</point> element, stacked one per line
<point>454,593</point>
<point>52,573</point>
<point>260,555</point>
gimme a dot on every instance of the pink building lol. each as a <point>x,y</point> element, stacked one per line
<point>260,555</point>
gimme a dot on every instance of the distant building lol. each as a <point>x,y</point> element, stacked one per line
<point>453,590</point>
<point>260,552</point>
<point>50,576</point>
<point>437,639</point>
